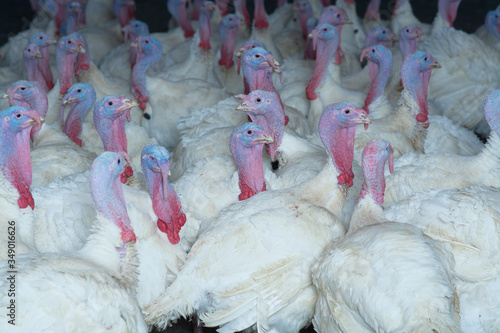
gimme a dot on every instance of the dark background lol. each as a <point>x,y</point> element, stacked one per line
<point>15,15</point>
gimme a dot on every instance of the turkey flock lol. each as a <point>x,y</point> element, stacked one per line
<point>217,172</point>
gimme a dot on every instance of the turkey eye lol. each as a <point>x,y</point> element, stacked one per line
<point>79,90</point>
<point>356,31</point>
<point>324,29</point>
<point>110,103</point>
<point>253,46</point>
<point>338,15</point>
<point>69,42</point>
<point>425,59</point>
<point>146,41</point>
<point>18,115</point>
<point>249,132</point>
<point>29,50</point>
<point>40,37</point>
<point>383,31</point>
<point>230,19</point>
<point>119,160</point>
<point>373,50</point>
<point>258,100</point>
<point>257,56</point>
<point>23,88</point>
<point>347,111</point>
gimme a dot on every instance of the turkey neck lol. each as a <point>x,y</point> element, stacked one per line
<point>260,15</point>
<point>372,10</point>
<point>448,10</point>
<point>228,36</point>
<point>325,51</point>
<point>407,46</point>
<point>15,161</point>
<point>374,180</point>
<point>304,15</point>
<point>65,66</point>
<point>139,72</point>
<point>73,123</point>
<point>240,7</point>
<point>196,9</point>
<point>166,203</point>
<point>112,131</point>
<point>416,83</point>
<point>223,4</point>
<point>110,204</point>
<point>250,170</point>
<point>383,70</point>
<point>205,29</point>
<point>72,22</point>
<point>183,20</point>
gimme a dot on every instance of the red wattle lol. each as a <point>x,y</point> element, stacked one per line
<point>126,174</point>
<point>261,24</point>
<point>311,95</point>
<point>247,192</point>
<point>422,118</point>
<point>25,200</point>
<point>128,235</point>
<point>205,45</point>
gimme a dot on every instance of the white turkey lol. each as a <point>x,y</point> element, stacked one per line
<point>99,280</point>
<point>384,276</point>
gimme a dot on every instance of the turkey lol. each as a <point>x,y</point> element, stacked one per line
<point>447,171</point>
<point>238,177</point>
<point>100,279</point>
<point>252,292</point>
<point>167,100</point>
<point>53,153</point>
<point>364,280</point>
<point>81,97</point>
<point>490,32</point>
<point>407,125</point>
<point>460,88</point>
<point>466,221</point>
<point>323,88</point>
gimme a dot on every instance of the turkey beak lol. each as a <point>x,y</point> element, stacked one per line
<point>35,119</point>
<point>5,95</point>
<point>69,100</point>
<point>347,21</point>
<point>435,64</point>
<point>363,119</point>
<point>135,43</point>
<point>391,160</point>
<point>244,107</point>
<point>274,66</point>
<point>264,138</point>
<point>127,105</point>
<point>81,49</point>
<point>38,55</point>
<point>363,54</point>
